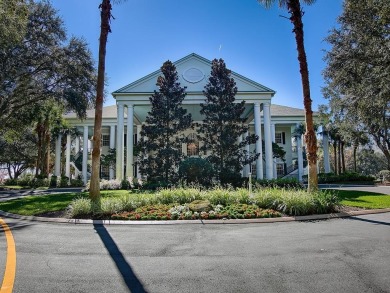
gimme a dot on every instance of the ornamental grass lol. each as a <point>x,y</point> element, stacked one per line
<point>292,202</point>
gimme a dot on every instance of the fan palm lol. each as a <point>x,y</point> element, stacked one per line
<point>295,11</point>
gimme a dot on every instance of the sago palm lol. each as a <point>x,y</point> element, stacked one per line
<point>295,11</point>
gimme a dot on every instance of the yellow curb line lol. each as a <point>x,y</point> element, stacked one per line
<point>10,267</point>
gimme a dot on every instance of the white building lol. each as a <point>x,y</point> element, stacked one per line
<point>269,121</point>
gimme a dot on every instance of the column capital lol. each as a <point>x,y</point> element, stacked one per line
<point>130,105</point>
<point>256,104</point>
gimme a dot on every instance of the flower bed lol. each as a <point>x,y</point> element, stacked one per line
<point>183,212</point>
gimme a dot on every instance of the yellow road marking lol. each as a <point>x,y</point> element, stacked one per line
<point>10,266</point>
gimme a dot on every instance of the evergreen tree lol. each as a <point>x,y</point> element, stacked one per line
<point>160,144</point>
<point>357,73</point>
<point>223,124</point>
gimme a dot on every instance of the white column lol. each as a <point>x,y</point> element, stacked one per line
<point>325,146</point>
<point>139,127</point>
<point>273,140</point>
<point>130,141</point>
<point>85,154</point>
<point>67,157</point>
<point>119,144</point>
<point>269,170</point>
<point>247,169</point>
<point>76,151</point>
<point>259,145</point>
<point>77,145</point>
<point>239,140</point>
<point>112,146</point>
<point>57,168</point>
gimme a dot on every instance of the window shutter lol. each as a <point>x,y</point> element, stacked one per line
<point>284,137</point>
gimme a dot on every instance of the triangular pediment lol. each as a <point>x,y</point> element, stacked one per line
<point>194,72</point>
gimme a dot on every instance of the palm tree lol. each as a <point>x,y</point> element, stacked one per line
<point>105,17</point>
<point>295,11</point>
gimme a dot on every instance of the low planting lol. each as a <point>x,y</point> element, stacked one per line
<point>30,181</point>
<point>344,178</point>
<point>264,202</point>
<point>184,212</point>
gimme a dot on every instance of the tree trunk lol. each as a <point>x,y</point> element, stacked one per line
<point>105,15</point>
<point>342,156</point>
<point>39,155</point>
<point>339,158</point>
<point>294,9</point>
<point>354,159</point>
<point>335,156</point>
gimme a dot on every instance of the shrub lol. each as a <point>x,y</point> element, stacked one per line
<point>125,184</point>
<point>64,182</point>
<point>280,182</point>
<point>110,184</point>
<point>53,181</point>
<point>11,182</point>
<point>196,170</point>
<point>76,183</point>
<point>345,177</point>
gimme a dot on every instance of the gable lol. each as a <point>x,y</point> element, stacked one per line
<point>194,72</point>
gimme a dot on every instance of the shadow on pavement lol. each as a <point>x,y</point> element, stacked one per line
<point>370,221</point>
<point>124,268</point>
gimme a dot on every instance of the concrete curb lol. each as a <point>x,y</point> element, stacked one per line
<point>202,222</point>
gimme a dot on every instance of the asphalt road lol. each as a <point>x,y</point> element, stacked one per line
<point>338,255</point>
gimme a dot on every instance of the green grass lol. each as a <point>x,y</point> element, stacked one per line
<point>34,205</point>
<point>363,199</point>
<point>15,187</point>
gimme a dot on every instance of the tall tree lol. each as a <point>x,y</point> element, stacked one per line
<point>160,142</point>
<point>13,21</point>
<point>296,13</point>
<point>105,18</point>
<point>223,124</point>
<point>18,151</point>
<point>44,66</point>
<point>357,74</point>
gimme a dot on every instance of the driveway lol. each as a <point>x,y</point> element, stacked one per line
<point>338,255</point>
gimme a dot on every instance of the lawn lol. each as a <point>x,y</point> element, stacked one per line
<point>34,205</point>
<point>363,199</point>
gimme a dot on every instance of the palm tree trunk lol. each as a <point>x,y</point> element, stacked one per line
<point>335,156</point>
<point>105,15</point>
<point>339,158</point>
<point>294,8</point>
<point>342,156</point>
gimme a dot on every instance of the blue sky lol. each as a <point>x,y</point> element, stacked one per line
<point>254,42</point>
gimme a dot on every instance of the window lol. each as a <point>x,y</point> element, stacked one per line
<point>105,172</point>
<point>192,145</point>
<point>280,169</point>
<point>280,137</point>
<point>105,140</point>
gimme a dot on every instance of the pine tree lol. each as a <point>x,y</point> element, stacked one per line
<point>160,143</point>
<point>223,125</point>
